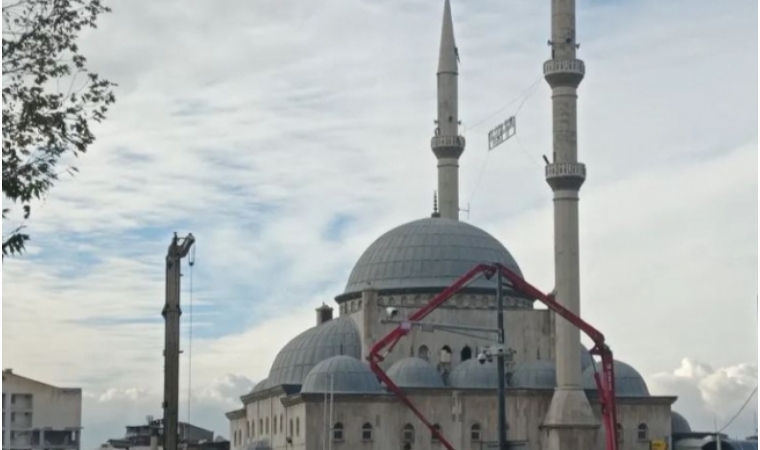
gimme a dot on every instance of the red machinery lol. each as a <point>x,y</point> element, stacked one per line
<point>605,382</point>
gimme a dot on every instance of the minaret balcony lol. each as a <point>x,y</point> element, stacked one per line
<point>564,72</point>
<point>447,146</point>
<point>565,175</point>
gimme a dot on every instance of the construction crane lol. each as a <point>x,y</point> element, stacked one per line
<point>605,382</point>
<point>178,249</point>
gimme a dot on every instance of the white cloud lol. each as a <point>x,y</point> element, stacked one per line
<point>255,125</point>
<point>710,396</point>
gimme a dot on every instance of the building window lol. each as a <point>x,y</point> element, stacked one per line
<point>282,423</point>
<point>475,432</point>
<point>643,432</point>
<point>298,426</point>
<point>261,426</point>
<point>367,432</point>
<point>338,432</point>
<point>466,353</point>
<point>266,425</point>
<point>423,352</point>
<point>620,433</point>
<point>433,436</point>
<point>290,428</point>
<point>408,434</point>
<point>247,429</point>
<point>445,355</point>
<point>274,425</point>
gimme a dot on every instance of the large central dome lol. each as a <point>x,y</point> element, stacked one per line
<point>426,254</point>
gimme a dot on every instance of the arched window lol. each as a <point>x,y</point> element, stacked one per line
<point>291,428</point>
<point>274,425</point>
<point>466,353</point>
<point>642,433</point>
<point>266,425</point>
<point>282,423</point>
<point>423,352</point>
<point>253,428</point>
<point>247,429</point>
<point>367,432</point>
<point>338,432</point>
<point>620,433</point>
<point>445,355</point>
<point>261,426</point>
<point>408,435</point>
<point>475,432</point>
<point>298,426</point>
<point>433,436</point>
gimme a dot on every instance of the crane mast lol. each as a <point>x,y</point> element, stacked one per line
<point>178,249</point>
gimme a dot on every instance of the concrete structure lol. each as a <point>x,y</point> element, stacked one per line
<point>569,423</point>
<point>149,436</point>
<point>40,416</point>
<point>320,394</point>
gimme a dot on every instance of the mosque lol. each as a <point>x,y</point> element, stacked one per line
<point>321,394</point>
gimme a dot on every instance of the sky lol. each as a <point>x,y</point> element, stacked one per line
<point>287,136</point>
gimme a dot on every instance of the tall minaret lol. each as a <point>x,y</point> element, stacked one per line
<point>447,144</point>
<point>570,422</point>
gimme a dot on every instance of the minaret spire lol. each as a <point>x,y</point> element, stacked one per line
<point>447,144</point>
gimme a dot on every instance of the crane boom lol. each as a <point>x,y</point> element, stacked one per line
<point>605,383</point>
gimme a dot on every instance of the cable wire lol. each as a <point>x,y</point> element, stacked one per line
<point>746,402</point>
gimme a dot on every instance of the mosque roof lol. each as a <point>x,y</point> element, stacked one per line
<point>295,360</point>
<point>586,359</point>
<point>341,374</point>
<point>628,382</point>
<point>415,373</point>
<point>471,374</point>
<point>428,253</point>
<point>678,423</point>
<point>537,374</point>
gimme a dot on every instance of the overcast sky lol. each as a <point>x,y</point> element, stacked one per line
<point>287,136</point>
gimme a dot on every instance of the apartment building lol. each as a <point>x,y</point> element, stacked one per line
<point>39,416</point>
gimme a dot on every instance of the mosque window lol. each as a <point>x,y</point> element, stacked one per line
<point>433,436</point>
<point>338,432</point>
<point>643,432</point>
<point>298,426</point>
<point>367,432</point>
<point>475,432</point>
<point>291,428</point>
<point>274,425</point>
<point>408,433</point>
<point>282,423</point>
<point>261,426</point>
<point>423,352</point>
<point>247,429</point>
<point>266,426</point>
<point>445,355</point>
<point>620,433</point>
<point>466,353</point>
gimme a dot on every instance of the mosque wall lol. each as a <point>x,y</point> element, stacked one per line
<point>653,412</point>
<point>530,332</point>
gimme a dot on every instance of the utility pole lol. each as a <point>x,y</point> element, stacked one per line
<point>178,249</point>
<point>500,362</point>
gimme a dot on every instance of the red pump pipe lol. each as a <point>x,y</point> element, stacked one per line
<point>605,383</point>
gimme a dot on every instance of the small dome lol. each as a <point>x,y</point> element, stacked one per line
<point>415,373</point>
<point>341,374</point>
<point>471,374</point>
<point>628,382</point>
<point>333,338</point>
<point>678,423</point>
<point>260,386</point>
<point>538,374</point>
<point>586,359</point>
<point>429,253</point>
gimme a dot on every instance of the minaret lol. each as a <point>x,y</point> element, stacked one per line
<point>570,422</point>
<point>447,144</point>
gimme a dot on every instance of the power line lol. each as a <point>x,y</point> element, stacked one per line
<point>752,394</point>
<point>524,94</point>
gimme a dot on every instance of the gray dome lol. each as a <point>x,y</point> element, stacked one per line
<point>538,374</point>
<point>678,423</point>
<point>302,353</point>
<point>341,374</point>
<point>586,359</point>
<point>415,373</point>
<point>260,386</point>
<point>427,253</point>
<point>471,374</point>
<point>628,382</point>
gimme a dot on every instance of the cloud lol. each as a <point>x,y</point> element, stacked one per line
<point>710,396</point>
<point>288,137</point>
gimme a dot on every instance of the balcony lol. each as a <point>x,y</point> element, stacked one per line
<point>564,72</point>
<point>565,175</point>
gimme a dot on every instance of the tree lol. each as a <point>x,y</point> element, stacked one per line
<point>43,123</point>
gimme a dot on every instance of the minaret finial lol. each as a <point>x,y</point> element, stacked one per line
<point>435,205</point>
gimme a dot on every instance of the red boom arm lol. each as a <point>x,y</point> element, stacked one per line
<point>605,384</point>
